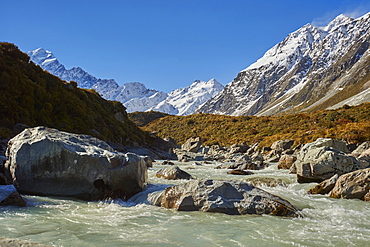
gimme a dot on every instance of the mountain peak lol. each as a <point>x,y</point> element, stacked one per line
<point>338,21</point>
<point>40,55</point>
<point>310,64</point>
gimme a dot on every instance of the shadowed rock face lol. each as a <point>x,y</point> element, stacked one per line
<point>229,197</point>
<point>44,161</point>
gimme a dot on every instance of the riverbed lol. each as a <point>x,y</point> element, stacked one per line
<point>69,222</point>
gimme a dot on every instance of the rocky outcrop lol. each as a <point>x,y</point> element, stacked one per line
<point>173,173</point>
<point>239,148</point>
<point>354,185</point>
<point>282,145</point>
<point>229,197</point>
<point>192,144</point>
<point>360,149</point>
<point>44,161</point>
<point>327,142</point>
<point>323,159</point>
<point>10,196</point>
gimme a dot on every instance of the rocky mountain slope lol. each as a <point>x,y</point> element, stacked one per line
<point>134,95</point>
<point>312,68</point>
<point>185,101</point>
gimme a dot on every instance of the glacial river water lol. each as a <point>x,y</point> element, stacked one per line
<point>64,222</point>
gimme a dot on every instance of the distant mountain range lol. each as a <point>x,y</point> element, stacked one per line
<point>134,95</point>
<point>312,68</point>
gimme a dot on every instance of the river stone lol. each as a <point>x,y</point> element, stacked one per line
<point>325,186</point>
<point>192,144</point>
<point>45,161</point>
<point>240,172</point>
<point>354,185</point>
<point>316,164</point>
<point>10,196</point>
<point>282,145</point>
<point>286,161</point>
<point>173,173</point>
<point>229,197</point>
<point>238,148</point>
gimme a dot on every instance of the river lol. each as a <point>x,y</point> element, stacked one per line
<point>66,222</point>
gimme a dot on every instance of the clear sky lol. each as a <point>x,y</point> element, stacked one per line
<point>165,44</point>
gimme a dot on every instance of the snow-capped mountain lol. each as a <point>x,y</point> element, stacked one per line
<point>312,68</point>
<point>134,95</point>
<point>185,101</point>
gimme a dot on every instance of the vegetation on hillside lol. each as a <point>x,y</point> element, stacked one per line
<point>350,124</point>
<point>143,118</point>
<point>34,97</point>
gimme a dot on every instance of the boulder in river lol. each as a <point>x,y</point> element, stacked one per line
<point>9,196</point>
<point>45,161</point>
<point>325,186</point>
<point>286,161</point>
<point>354,185</point>
<point>173,173</point>
<point>229,197</point>
<point>192,144</point>
<point>318,163</point>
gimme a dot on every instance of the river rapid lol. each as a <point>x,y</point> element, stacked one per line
<point>68,222</point>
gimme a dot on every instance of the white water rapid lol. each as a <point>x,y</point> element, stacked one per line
<point>65,222</point>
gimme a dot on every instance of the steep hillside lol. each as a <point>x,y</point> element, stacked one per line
<point>143,118</point>
<point>312,68</point>
<point>350,124</point>
<point>33,97</point>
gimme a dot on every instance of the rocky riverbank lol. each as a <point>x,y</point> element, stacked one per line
<point>44,161</point>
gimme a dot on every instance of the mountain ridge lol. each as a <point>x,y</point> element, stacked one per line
<point>298,72</point>
<point>134,95</point>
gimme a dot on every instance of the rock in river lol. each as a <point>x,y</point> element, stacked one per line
<point>45,161</point>
<point>316,164</point>
<point>354,185</point>
<point>173,173</point>
<point>229,197</point>
<point>10,196</point>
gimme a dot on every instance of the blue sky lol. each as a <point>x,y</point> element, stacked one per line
<point>165,44</point>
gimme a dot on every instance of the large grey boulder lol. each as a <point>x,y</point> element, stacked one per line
<point>192,144</point>
<point>354,185</point>
<point>229,197</point>
<point>45,161</point>
<point>319,164</point>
